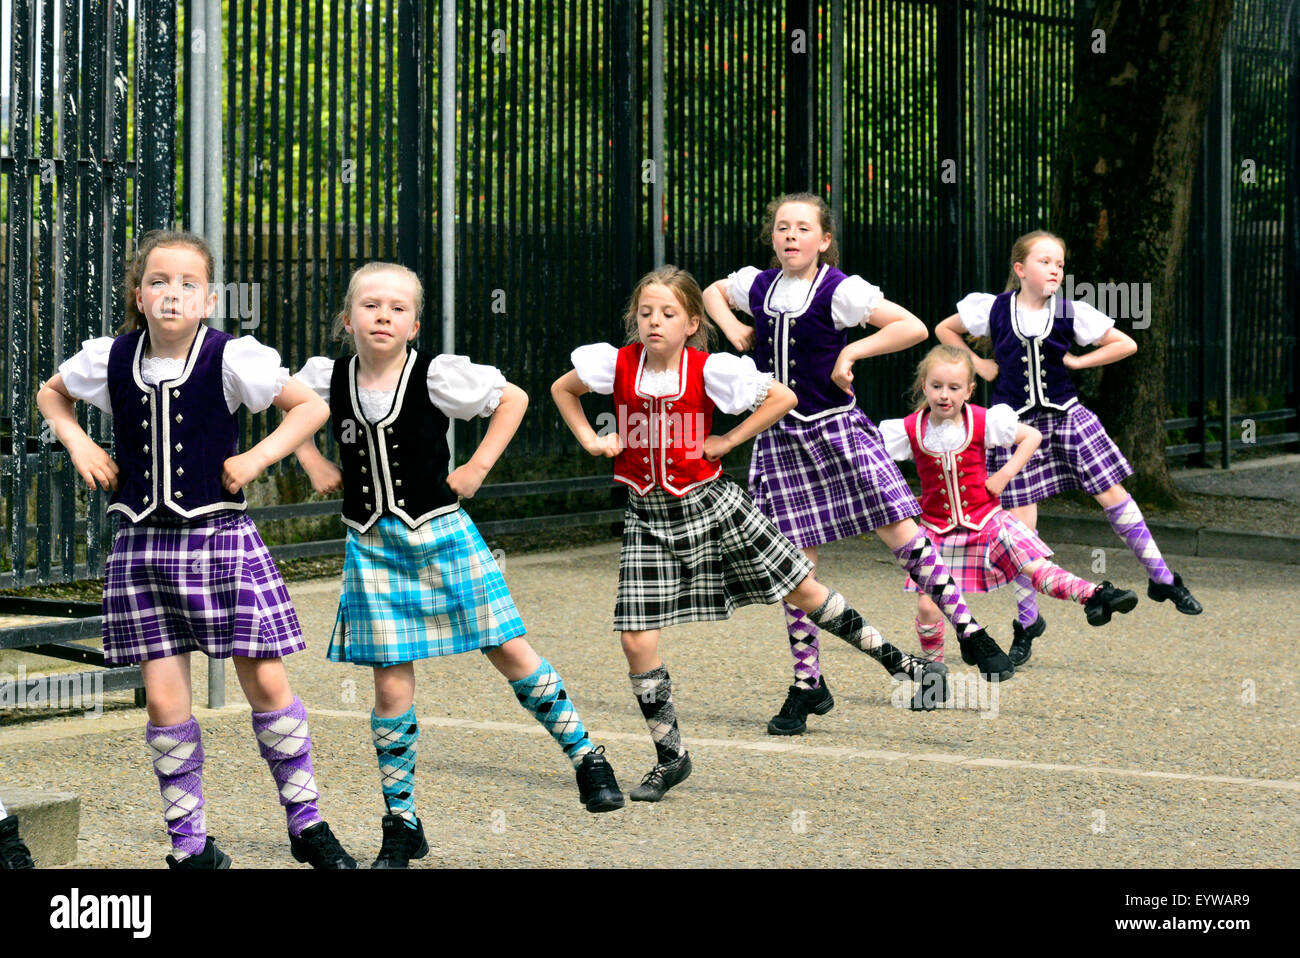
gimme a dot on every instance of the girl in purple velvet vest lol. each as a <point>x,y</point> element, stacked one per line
<point>188,571</point>
<point>1031,327</point>
<point>418,580</point>
<point>822,473</point>
<point>984,546</point>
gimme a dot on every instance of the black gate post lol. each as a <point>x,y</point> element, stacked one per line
<point>1291,257</point>
<point>800,113</point>
<point>951,172</point>
<point>20,277</point>
<point>155,114</point>
<point>624,28</point>
<point>412,205</point>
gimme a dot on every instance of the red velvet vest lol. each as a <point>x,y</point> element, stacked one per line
<point>663,436</point>
<point>952,483</point>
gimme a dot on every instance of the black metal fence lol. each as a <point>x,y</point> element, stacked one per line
<point>591,138</point>
<point>85,157</point>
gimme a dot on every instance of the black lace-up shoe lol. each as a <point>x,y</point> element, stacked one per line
<point>211,858</point>
<point>980,650</point>
<point>1022,638</point>
<point>318,846</point>
<point>597,787</point>
<point>401,843</point>
<point>13,851</point>
<point>1107,600</point>
<point>661,778</point>
<point>798,703</point>
<point>1175,592</point>
<point>934,689</point>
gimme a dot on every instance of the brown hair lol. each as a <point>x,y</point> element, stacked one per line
<point>1020,250</point>
<point>687,292</point>
<point>831,255</point>
<point>939,354</point>
<point>145,245</point>
<point>361,272</point>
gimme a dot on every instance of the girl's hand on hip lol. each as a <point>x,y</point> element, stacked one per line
<point>715,447</point>
<point>608,446</point>
<point>93,464</point>
<point>466,480</point>
<point>239,471</point>
<point>842,375</point>
<point>325,477</point>
<point>995,483</point>
<point>741,336</point>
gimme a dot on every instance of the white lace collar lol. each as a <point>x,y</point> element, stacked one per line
<point>946,436</point>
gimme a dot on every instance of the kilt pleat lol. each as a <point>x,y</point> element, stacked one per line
<point>1075,453</point>
<point>700,557</point>
<point>209,587</point>
<point>417,593</point>
<point>827,479</point>
<point>989,558</point>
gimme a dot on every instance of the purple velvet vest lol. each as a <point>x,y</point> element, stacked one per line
<point>171,440</point>
<point>800,346</point>
<point>1031,369</point>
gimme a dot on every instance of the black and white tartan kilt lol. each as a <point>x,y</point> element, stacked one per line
<point>700,557</point>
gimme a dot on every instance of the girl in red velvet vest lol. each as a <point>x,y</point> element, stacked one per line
<point>695,547</point>
<point>983,546</point>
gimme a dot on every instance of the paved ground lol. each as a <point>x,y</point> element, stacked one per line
<point>1158,741</point>
<point>1277,477</point>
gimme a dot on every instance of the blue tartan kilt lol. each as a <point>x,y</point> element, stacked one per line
<point>417,593</point>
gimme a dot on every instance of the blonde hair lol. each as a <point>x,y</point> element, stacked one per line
<point>688,294</point>
<point>338,331</point>
<point>1020,252</point>
<point>146,244</point>
<point>939,354</point>
<point>830,255</point>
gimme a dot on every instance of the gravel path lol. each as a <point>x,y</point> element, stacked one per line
<point>1129,732</point>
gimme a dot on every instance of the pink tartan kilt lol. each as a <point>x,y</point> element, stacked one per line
<point>990,558</point>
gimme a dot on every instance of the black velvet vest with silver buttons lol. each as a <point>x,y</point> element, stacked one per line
<point>398,465</point>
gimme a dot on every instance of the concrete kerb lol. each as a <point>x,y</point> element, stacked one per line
<point>48,822</point>
<point>1178,538</point>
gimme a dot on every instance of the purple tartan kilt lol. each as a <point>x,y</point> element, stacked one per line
<point>989,558</point>
<point>827,479</point>
<point>211,587</point>
<point>1075,453</point>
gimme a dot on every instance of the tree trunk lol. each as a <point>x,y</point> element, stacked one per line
<point>1122,192</point>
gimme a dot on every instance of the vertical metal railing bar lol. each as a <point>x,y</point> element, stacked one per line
<point>301,237</point>
<point>68,256</point>
<point>258,273</point>
<point>22,29</point>
<point>44,321</point>
<point>309,344</point>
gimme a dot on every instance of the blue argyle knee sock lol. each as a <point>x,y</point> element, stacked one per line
<point>395,741</point>
<point>543,694</point>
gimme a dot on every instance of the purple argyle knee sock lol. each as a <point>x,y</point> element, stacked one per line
<point>927,570</point>
<point>1126,519</point>
<point>804,646</point>
<point>285,743</point>
<point>1026,601</point>
<point>178,762</point>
